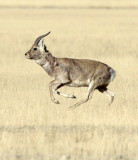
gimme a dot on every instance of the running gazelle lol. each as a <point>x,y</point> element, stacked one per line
<point>72,72</point>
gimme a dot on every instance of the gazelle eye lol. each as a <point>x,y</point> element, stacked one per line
<point>35,49</point>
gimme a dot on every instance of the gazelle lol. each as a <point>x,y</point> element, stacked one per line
<point>72,72</point>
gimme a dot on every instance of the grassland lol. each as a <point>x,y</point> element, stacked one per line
<point>34,128</point>
<point>72,3</point>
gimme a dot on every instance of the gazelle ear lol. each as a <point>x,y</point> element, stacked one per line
<point>41,44</point>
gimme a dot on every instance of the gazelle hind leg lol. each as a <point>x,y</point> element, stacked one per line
<point>111,96</point>
<point>108,93</point>
<point>88,96</point>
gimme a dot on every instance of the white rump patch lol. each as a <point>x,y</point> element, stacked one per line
<point>113,74</point>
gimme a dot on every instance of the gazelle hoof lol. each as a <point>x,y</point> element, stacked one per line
<point>56,101</point>
<point>73,96</point>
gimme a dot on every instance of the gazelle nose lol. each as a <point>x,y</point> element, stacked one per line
<point>25,54</point>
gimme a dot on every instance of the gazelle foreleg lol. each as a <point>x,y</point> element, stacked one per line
<point>88,96</point>
<point>57,86</point>
<point>53,86</point>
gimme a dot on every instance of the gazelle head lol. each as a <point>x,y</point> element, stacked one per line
<point>38,48</point>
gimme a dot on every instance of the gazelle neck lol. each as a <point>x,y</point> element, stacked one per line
<point>47,62</point>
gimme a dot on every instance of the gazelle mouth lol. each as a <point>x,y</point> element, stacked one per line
<point>28,57</point>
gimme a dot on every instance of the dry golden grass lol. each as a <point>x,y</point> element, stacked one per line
<point>73,3</point>
<point>34,128</point>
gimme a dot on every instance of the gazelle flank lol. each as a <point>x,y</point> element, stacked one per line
<point>72,72</point>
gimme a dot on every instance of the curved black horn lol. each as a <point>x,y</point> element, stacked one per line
<point>39,38</point>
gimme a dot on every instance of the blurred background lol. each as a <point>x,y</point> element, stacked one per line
<point>34,128</point>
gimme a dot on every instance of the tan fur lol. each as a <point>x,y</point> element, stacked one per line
<point>73,73</point>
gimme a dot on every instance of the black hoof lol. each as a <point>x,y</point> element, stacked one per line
<point>74,96</point>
